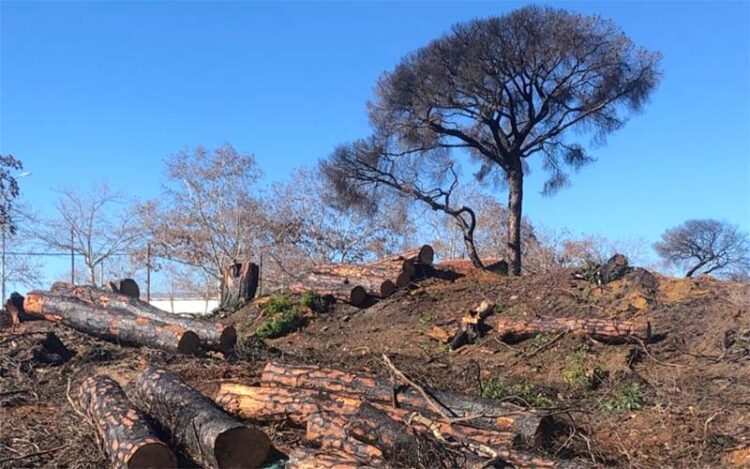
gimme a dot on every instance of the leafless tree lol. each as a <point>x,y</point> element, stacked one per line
<point>210,213</point>
<point>97,224</point>
<point>8,191</point>
<point>360,172</point>
<point>705,246</point>
<point>509,87</point>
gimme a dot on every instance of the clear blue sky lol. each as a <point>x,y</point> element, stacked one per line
<point>105,90</point>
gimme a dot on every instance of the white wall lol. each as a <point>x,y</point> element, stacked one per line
<point>196,306</point>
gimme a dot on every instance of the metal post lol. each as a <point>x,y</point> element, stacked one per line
<point>148,272</point>
<point>101,274</point>
<point>72,259</point>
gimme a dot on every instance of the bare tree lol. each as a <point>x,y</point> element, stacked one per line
<point>360,172</point>
<point>97,224</point>
<point>210,212</point>
<point>8,191</point>
<point>509,87</point>
<point>705,246</point>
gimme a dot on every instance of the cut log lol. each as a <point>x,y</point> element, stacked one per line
<point>125,286</point>
<point>333,286</point>
<point>497,415</point>
<point>213,335</point>
<point>380,281</point>
<point>421,255</point>
<point>308,458</point>
<point>374,427</point>
<point>328,430</point>
<point>239,282</point>
<point>606,330</point>
<point>210,436</point>
<point>279,404</point>
<point>129,440</point>
<point>472,326</point>
<point>111,324</point>
<point>14,307</point>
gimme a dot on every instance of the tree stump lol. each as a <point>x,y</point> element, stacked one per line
<point>239,283</point>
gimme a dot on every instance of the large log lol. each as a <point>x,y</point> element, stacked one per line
<point>501,415</point>
<point>129,440</point>
<point>210,436</point>
<point>278,404</point>
<point>213,335</point>
<point>607,330</point>
<point>14,307</point>
<point>308,458</point>
<point>239,282</point>
<point>374,427</point>
<point>379,281</point>
<point>422,255</point>
<point>329,431</point>
<point>332,285</point>
<point>111,324</point>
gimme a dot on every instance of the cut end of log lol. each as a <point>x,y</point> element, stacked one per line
<point>228,339</point>
<point>426,255</point>
<point>151,456</point>
<point>358,296</point>
<point>403,280</point>
<point>387,288</point>
<point>241,447</point>
<point>190,344</point>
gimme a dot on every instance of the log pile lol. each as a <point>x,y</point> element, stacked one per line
<point>361,420</point>
<point>606,330</point>
<point>120,318</point>
<point>355,284</point>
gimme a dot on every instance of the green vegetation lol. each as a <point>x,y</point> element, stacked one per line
<point>281,324</point>
<point>425,319</point>
<point>539,340</point>
<point>524,393</point>
<point>315,302</point>
<point>629,398</point>
<point>576,373</point>
<point>277,304</point>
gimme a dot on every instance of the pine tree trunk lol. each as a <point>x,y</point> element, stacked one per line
<point>209,436</point>
<point>309,458</point>
<point>606,330</point>
<point>515,201</point>
<point>129,440</point>
<point>239,283</point>
<point>329,431</point>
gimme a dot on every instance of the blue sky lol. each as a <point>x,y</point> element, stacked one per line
<point>104,91</point>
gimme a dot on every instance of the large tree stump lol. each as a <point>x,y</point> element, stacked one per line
<point>498,415</point>
<point>334,286</point>
<point>278,404</point>
<point>213,335</point>
<point>129,440</point>
<point>606,330</point>
<point>111,324</point>
<point>239,282</point>
<point>210,436</point>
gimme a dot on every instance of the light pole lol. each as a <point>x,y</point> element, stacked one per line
<point>4,231</point>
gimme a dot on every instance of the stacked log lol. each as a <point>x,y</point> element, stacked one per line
<point>352,420</point>
<point>129,440</point>
<point>208,435</point>
<point>111,324</point>
<point>334,286</point>
<point>606,330</point>
<point>213,335</point>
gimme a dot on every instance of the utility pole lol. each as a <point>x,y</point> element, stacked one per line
<point>148,272</point>
<point>72,259</point>
<point>3,272</point>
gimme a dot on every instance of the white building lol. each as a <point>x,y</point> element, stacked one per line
<point>185,304</point>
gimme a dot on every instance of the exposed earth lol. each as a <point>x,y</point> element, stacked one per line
<point>680,401</point>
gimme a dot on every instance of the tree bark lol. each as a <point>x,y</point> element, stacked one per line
<point>128,438</point>
<point>239,282</point>
<point>515,201</point>
<point>14,307</point>
<point>421,255</point>
<point>379,281</point>
<point>308,458</point>
<point>607,330</point>
<point>374,427</point>
<point>498,415</point>
<point>111,324</point>
<point>213,335</point>
<point>332,285</point>
<point>209,436</point>
<point>329,431</point>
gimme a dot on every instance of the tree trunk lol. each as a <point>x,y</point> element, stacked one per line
<point>607,330</point>
<point>332,285</point>
<point>499,415</point>
<point>213,335</point>
<point>379,281</point>
<point>129,440</point>
<point>239,282</point>
<point>111,324</point>
<point>308,458</point>
<point>14,307</point>
<point>329,431</point>
<point>374,427</point>
<point>209,436</point>
<point>695,268</point>
<point>421,255</point>
<point>515,201</point>
<point>296,405</point>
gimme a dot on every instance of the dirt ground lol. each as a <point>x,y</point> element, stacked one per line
<point>681,401</point>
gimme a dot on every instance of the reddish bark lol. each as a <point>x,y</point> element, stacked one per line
<point>608,330</point>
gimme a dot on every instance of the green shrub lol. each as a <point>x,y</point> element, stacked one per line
<point>524,393</point>
<point>576,373</point>
<point>315,302</point>
<point>425,319</point>
<point>629,398</point>
<point>280,324</point>
<point>278,303</point>
<point>539,340</point>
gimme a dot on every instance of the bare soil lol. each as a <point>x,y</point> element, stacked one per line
<point>691,408</point>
